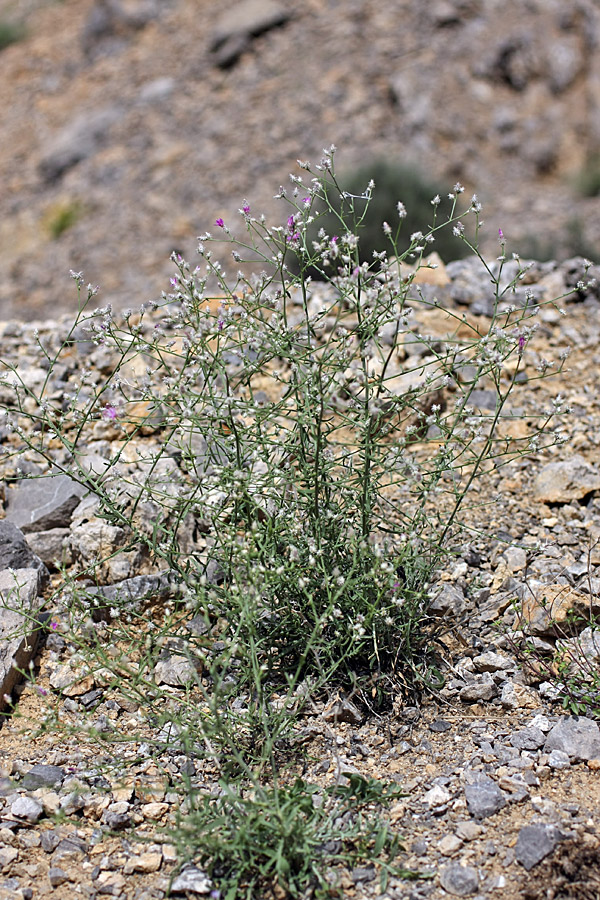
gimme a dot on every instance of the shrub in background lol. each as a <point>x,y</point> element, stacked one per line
<point>394,181</point>
<point>11,33</point>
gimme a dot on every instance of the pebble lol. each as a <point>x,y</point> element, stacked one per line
<point>57,876</point>
<point>459,880</point>
<point>484,797</point>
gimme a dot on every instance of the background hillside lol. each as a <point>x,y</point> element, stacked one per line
<point>128,126</point>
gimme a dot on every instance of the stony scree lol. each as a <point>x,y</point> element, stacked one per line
<point>493,756</point>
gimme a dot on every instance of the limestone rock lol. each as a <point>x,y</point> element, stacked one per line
<point>236,27</point>
<point>192,880</point>
<point>80,138</point>
<point>39,504</point>
<point>484,797</point>
<point>548,611</point>
<point>20,603</point>
<point>577,736</point>
<point>15,552</point>
<point>561,482</point>
<point>534,843</point>
<point>461,881</point>
<point>40,776</point>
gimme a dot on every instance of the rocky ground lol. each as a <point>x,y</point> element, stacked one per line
<point>501,787</point>
<point>128,126</point>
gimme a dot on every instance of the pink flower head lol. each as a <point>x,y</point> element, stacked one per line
<point>334,239</point>
<point>306,200</point>
<point>109,412</point>
<point>500,234</point>
<point>42,691</point>
<point>246,209</point>
<point>521,342</point>
<point>53,625</point>
<point>291,222</point>
<point>220,324</point>
<point>220,223</point>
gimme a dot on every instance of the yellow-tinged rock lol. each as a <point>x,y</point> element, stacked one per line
<point>550,611</point>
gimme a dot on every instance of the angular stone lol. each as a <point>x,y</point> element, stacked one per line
<point>15,552</point>
<point>436,796</point>
<point>484,797</point>
<point>72,679</point>
<point>51,546</point>
<point>449,844</point>
<point>493,662</point>
<point>193,880</point>
<point>81,138</point>
<point>548,611</point>
<point>145,862</point>
<point>461,881</point>
<point>57,876</point>
<point>50,840</point>
<point>561,482</point>
<point>534,843</point>
<point>127,594</point>
<point>236,27</point>
<point>39,504</point>
<point>7,856</point>
<point>483,689</point>
<point>40,776</point>
<point>558,759</point>
<point>27,809</point>
<point>175,667</point>
<point>528,739</point>
<point>20,603</point>
<point>577,736</point>
<point>519,696</point>
<point>449,600</point>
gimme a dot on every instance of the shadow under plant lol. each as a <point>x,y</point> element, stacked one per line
<point>303,455</point>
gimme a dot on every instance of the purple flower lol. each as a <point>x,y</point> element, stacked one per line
<point>500,234</point>
<point>246,209</point>
<point>174,281</point>
<point>109,412</point>
<point>521,342</point>
<point>306,200</point>
<point>220,324</point>
<point>53,625</point>
<point>334,239</point>
<point>220,223</point>
<point>291,222</point>
<point>42,691</point>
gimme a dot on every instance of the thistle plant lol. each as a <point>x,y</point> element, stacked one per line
<point>292,461</point>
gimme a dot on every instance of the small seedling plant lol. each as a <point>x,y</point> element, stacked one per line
<point>292,449</point>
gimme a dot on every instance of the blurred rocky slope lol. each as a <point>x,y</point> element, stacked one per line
<point>128,126</point>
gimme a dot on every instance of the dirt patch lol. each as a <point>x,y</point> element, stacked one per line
<point>573,873</point>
